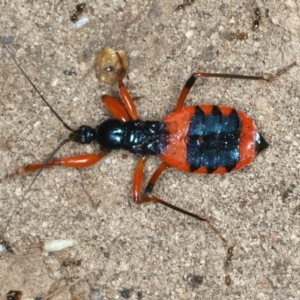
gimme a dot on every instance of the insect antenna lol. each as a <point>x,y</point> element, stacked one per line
<point>34,179</point>
<point>53,153</point>
<point>35,88</point>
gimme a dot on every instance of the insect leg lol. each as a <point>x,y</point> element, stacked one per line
<point>190,82</point>
<point>116,108</point>
<point>128,101</point>
<point>185,90</point>
<point>266,78</point>
<point>138,179</point>
<point>79,161</point>
<point>147,197</point>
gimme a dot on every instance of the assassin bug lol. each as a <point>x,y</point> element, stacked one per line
<point>204,139</point>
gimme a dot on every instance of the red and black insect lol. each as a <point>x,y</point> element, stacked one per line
<point>204,139</point>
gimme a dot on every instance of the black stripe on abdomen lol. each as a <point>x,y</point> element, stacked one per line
<point>213,140</point>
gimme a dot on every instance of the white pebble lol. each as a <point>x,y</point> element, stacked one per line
<point>189,34</point>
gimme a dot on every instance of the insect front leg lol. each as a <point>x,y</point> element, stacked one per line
<point>124,110</point>
<point>148,197</point>
<point>78,161</point>
<point>128,101</point>
<point>116,107</point>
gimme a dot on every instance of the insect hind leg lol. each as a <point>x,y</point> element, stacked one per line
<point>149,197</point>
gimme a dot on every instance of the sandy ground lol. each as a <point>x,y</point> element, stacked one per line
<point>149,252</point>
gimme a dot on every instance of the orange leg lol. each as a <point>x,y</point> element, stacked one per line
<point>127,101</point>
<point>190,82</point>
<point>116,108</point>
<point>147,197</point>
<point>79,161</point>
<point>124,110</point>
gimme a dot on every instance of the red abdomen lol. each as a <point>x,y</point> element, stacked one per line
<point>209,139</point>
